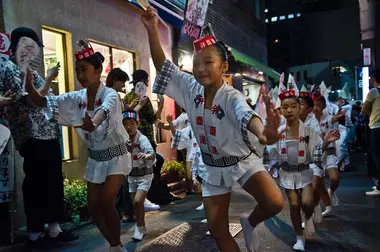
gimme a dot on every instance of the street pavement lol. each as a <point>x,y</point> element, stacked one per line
<point>355,225</point>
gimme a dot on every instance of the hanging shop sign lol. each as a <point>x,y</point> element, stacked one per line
<point>194,19</point>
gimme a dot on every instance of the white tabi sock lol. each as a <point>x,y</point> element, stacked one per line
<point>33,236</point>
<point>54,229</point>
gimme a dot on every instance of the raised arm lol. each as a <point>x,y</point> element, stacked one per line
<point>52,73</point>
<point>150,20</point>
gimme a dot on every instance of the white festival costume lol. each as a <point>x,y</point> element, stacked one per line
<point>185,139</point>
<point>142,170</point>
<point>107,145</point>
<point>295,153</point>
<point>222,132</point>
<point>331,158</point>
<point>181,121</point>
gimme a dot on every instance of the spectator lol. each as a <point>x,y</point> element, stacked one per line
<point>37,140</point>
<point>116,79</point>
<point>371,108</point>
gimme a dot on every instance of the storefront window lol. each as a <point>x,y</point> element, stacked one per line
<point>106,52</point>
<point>116,58</point>
<point>54,51</point>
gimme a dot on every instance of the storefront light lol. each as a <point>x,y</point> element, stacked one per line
<point>366,78</point>
<point>187,60</point>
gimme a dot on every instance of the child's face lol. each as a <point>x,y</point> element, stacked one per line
<point>130,126</point>
<point>87,75</point>
<point>304,108</point>
<point>318,107</point>
<point>208,67</point>
<point>290,108</point>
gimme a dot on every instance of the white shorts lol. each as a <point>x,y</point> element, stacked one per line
<point>209,190</point>
<point>141,184</point>
<point>296,180</point>
<point>97,172</point>
<point>331,162</point>
<point>316,170</point>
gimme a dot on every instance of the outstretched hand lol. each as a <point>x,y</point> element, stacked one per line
<point>271,133</point>
<point>332,136</point>
<point>88,124</point>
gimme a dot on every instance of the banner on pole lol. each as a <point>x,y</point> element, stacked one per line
<point>194,19</point>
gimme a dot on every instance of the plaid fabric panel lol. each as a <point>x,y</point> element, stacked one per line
<point>318,155</point>
<point>164,77</point>
<point>176,139</point>
<point>53,108</point>
<point>244,128</point>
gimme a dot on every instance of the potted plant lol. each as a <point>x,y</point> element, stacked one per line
<point>173,171</point>
<point>75,201</point>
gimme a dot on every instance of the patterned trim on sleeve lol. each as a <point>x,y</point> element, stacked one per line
<point>164,77</point>
<point>52,105</point>
<point>176,139</point>
<point>244,128</point>
<point>318,156</point>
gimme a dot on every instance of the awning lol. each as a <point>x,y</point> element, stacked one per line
<point>241,57</point>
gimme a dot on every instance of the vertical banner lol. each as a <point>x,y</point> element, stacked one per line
<point>4,49</point>
<point>7,155</point>
<point>367,56</point>
<point>194,20</point>
<point>7,173</point>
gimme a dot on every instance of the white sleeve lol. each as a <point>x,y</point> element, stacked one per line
<point>174,83</point>
<point>240,114</point>
<point>315,141</point>
<point>63,108</point>
<point>182,138</point>
<point>146,148</point>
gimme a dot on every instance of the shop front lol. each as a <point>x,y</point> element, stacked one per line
<point>114,28</point>
<point>249,74</point>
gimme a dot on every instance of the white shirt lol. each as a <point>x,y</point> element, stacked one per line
<point>181,121</point>
<point>222,132</point>
<point>71,110</point>
<point>373,98</point>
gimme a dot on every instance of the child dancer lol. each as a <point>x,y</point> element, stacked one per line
<point>95,113</point>
<point>331,161</point>
<point>299,146</point>
<point>307,117</point>
<point>218,114</point>
<point>141,176</point>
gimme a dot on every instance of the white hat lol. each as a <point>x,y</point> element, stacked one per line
<point>281,89</point>
<point>275,94</point>
<point>345,93</point>
<point>292,84</point>
<point>4,137</point>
